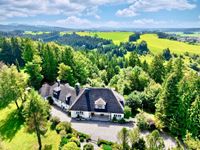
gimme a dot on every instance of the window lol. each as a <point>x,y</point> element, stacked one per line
<point>79,113</point>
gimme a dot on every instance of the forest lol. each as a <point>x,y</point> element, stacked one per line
<point>167,85</point>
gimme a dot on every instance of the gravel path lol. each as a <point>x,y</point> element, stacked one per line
<point>103,130</point>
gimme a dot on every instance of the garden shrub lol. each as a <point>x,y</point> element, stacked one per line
<point>62,133</point>
<point>63,141</point>
<point>69,136</point>
<point>70,146</point>
<point>142,121</point>
<point>121,121</point>
<point>100,142</point>
<point>127,112</point>
<point>55,121</point>
<point>88,147</point>
<point>82,139</point>
<point>140,144</point>
<point>106,147</point>
<point>88,138</point>
<point>75,140</point>
<point>64,126</point>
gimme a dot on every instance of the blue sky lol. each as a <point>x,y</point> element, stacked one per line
<point>102,13</point>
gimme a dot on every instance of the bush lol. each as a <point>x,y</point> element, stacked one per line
<point>63,141</point>
<point>69,136</point>
<point>100,142</point>
<point>142,121</point>
<point>121,121</point>
<point>55,121</point>
<point>88,147</point>
<point>64,126</point>
<point>127,112</point>
<point>88,138</point>
<point>62,133</point>
<point>75,140</point>
<point>82,139</point>
<point>140,144</point>
<point>106,147</point>
<point>70,146</point>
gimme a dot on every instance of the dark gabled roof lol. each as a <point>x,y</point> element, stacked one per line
<point>66,90</point>
<point>45,90</point>
<point>86,100</point>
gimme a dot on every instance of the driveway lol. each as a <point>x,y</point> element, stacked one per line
<point>104,130</point>
<point>97,129</point>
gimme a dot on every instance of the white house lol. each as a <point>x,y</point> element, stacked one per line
<point>88,103</point>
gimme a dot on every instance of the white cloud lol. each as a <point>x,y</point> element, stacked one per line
<point>137,6</point>
<point>25,8</point>
<point>199,16</point>
<point>73,21</point>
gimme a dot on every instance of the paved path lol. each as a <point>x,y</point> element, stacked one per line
<point>103,130</point>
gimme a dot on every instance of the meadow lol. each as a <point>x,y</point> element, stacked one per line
<point>116,37</point>
<point>14,135</point>
<point>156,45</point>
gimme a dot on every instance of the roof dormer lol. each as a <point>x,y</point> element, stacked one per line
<point>100,104</point>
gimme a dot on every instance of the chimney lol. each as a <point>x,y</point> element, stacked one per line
<point>87,95</point>
<point>78,88</point>
<point>58,81</point>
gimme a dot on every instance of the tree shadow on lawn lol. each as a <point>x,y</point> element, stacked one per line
<point>10,125</point>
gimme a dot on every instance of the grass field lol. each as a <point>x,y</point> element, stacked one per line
<point>14,135</point>
<point>116,37</point>
<point>157,45</point>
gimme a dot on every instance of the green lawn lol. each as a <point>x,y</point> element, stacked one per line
<point>157,45</point>
<point>14,135</point>
<point>116,37</point>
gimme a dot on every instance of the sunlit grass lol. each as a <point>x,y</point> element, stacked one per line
<point>116,37</point>
<point>156,45</point>
<point>17,138</point>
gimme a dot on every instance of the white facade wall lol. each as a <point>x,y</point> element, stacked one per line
<point>118,116</point>
<point>84,114</point>
<point>60,104</point>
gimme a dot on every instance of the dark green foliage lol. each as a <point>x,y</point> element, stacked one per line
<point>134,101</point>
<point>49,63</point>
<point>140,144</point>
<point>75,140</point>
<point>134,37</point>
<point>155,141</point>
<point>64,126</point>
<point>168,103</point>
<point>142,48</point>
<point>36,111</point>
<point>134,60</point>
<point>142,121</point>
<point>106,147</point>
<point>127,112</point>
<point>101,142</point>
<point>88,147</point>
<point>55,121</point>
<point>123,138</point>
<point>157,70</point>
<point>34,69</point>
<point>166,54</point>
